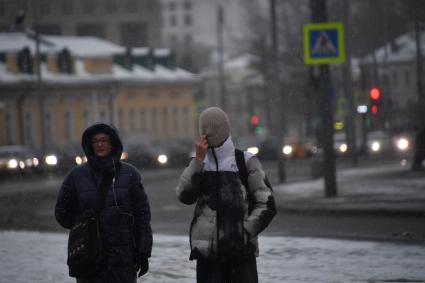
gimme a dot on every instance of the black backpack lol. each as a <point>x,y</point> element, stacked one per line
<point>243,175</point>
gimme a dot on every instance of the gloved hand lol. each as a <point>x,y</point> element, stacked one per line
<point>143,265</point>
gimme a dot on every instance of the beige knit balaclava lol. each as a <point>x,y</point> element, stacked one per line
<point>214,123</point>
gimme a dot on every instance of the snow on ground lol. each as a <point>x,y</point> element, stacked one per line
<point>41,257</point>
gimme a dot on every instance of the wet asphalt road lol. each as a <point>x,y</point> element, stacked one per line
<point>29,205</point>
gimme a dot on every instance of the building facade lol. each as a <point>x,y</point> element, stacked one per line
<point>192,29</point>
<point>126,22</point>
<point>393,69</point>
<point>84,80</point>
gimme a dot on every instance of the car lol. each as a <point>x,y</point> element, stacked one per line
<point>173,153</point>
<point>379,142</point>
<point>295,148</point>
<point>18,159</point>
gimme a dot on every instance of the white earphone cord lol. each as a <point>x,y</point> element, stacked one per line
<point>115,198</point>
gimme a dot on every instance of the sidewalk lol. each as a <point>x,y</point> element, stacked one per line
<point>41,257</point>
<point>384,189</point>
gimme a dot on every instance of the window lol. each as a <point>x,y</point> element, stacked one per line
<point>165,120</point>
<point>131,6</point>
<point>50,29</point>
<point>10,139</point>
<point>44,7</point>
<point>103,117</point>
<point>188,39</point>
<point>188,20</point>
<point>48,127</point>
<point>187,5</point>
<point>111,6</point>
<point>134,34</point>
<point>88,7</point>
<point>121,120</point>
<point>176,119</point>
<point>67,125</point>
<point>154,120</point>
<point>91,29</point>
<point>173,21</point>
<point>67,7</point>
<point>172,6</point>
<point>186,120</point>
<point>395,78</point>
<point>29,128</point>
<point>2,8</point>
<point>407,78</point>
<point>86,119</point>
<point>143,124</point>
<point>132,118</point>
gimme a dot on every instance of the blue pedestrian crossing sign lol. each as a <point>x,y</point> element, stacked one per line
<point>324,43</point>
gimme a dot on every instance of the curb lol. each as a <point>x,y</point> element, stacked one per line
<point>345,211</point>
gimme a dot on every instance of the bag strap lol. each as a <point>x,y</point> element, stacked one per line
<point>243,171</point>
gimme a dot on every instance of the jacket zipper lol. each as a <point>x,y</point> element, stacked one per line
<point>217,201</point>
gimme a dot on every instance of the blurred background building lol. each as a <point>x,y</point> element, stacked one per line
<point>86,80</point>
<point>129,23</point>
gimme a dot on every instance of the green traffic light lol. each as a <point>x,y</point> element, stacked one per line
<point>258,130</point>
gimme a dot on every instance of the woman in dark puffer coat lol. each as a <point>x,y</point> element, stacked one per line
<point>125,218</point>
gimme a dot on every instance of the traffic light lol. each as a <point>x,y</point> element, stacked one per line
<point>374,100</point>
<point>255,125</point>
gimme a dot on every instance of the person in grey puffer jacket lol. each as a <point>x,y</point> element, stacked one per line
<point>228,216</point>
<point>125,219</point>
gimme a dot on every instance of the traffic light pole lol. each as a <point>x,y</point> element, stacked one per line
<point>279,127</point>
<point>319,15</point>
<point>349,120</point>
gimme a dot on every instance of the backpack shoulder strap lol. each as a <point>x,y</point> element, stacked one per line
<point>243,171</point>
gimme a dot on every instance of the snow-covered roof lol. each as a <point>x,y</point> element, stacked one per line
<point>240,62</point>
<point>401,49</point>
<point>15,41</point>
<point>86,47</point>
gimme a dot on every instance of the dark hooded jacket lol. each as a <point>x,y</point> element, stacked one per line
<point>125,218</point>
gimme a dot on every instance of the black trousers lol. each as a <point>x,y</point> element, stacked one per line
<point>215,272</point>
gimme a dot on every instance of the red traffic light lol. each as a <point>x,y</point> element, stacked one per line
<point>254,120</point>
<point>374,93</point>
<point>374,109</point>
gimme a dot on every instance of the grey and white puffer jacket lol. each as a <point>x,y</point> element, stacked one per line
<point>225,209</point>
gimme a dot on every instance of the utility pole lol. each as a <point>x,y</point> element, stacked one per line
<point>323,81</point>
<point>419,85</point>
<point>350,115</point>
<point>280,126</point>
<point>220,49</point>
<point>39,76</point>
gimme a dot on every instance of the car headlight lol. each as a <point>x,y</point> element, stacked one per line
<point>287,149</point>
<point>343,148</point>
<point>162,159</point>
<point>21,164</point>
<point>124,155</point>
<point>403,144</point>
<point>375,146</point>
<point>35,162</point>
<point>51,160</point>
<point>254,150</point>
<point>12,164</point>
<point>78,160</point>
<point>28,162</point>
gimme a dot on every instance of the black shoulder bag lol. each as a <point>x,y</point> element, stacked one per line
<point>85,250</point>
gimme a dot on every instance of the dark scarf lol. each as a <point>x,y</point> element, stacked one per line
<point>108,164</point>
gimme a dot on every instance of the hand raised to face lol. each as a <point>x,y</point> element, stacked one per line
<point>201,148</point>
